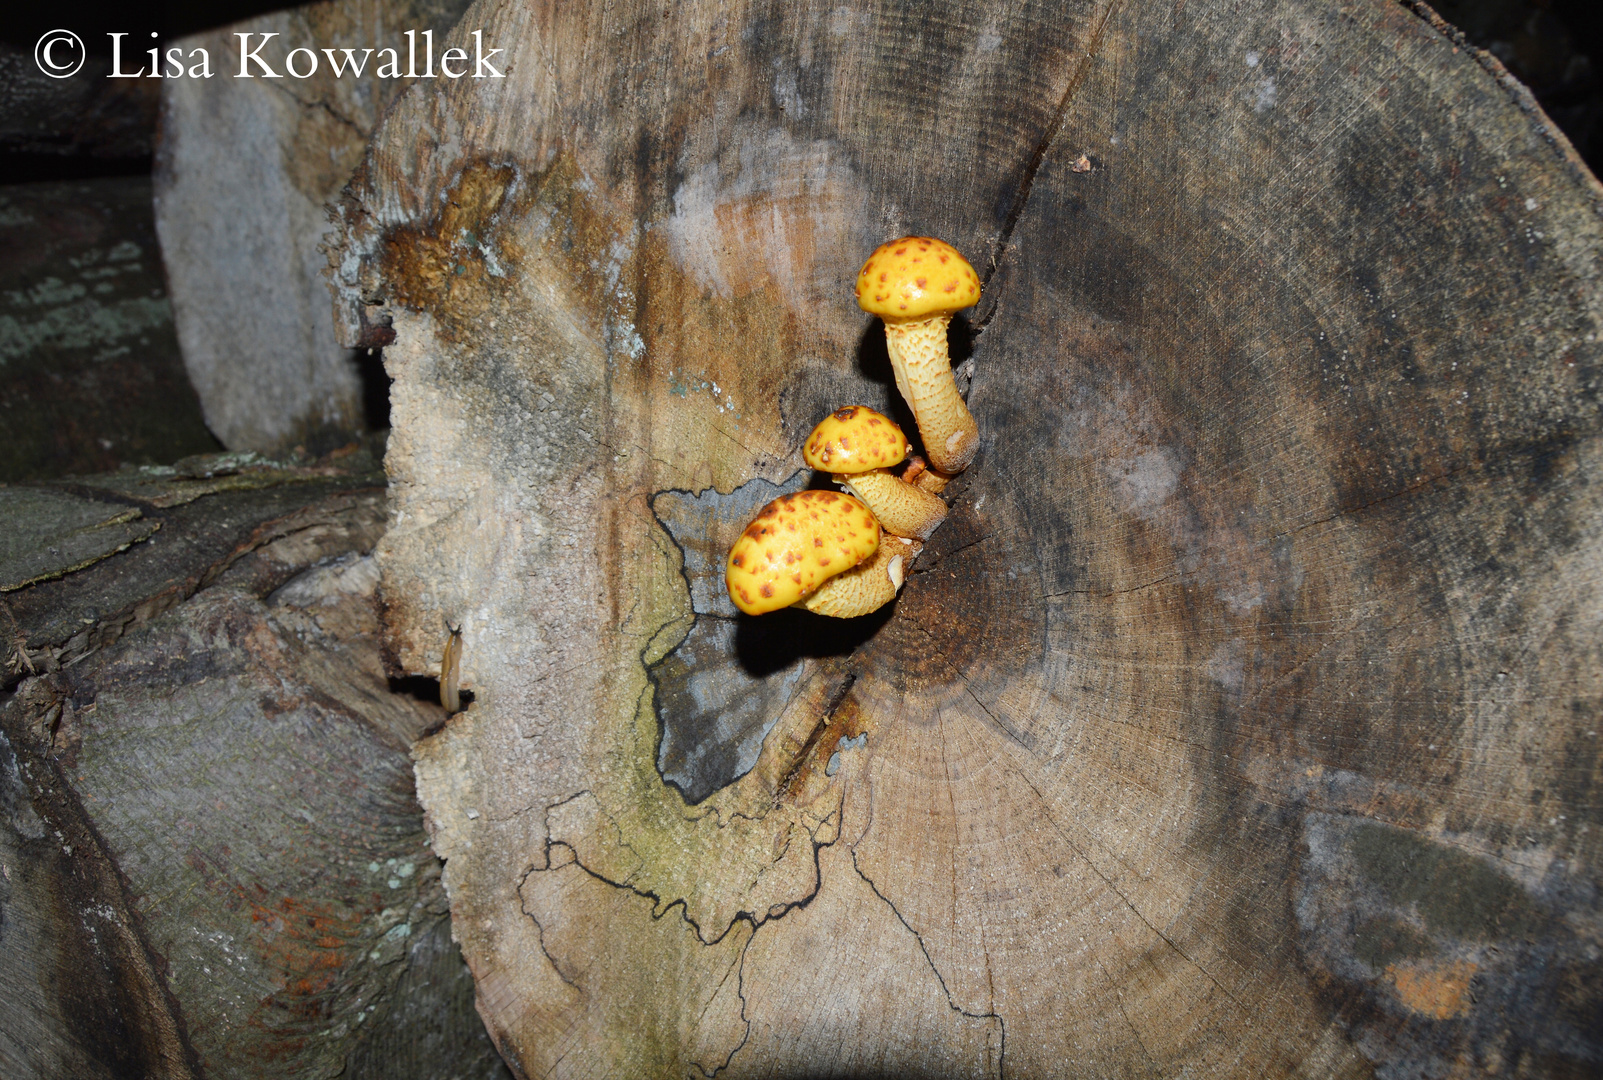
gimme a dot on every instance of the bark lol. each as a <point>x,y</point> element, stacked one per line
<point>1241,719</point>
<point>212,862</point>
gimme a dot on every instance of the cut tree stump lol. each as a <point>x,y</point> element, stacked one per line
<point>1242,719</point>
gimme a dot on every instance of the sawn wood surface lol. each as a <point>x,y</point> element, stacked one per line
<point>1241,720</point>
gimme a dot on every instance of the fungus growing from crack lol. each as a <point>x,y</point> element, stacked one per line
<point>795,545</point>
<point>916,284</point>
<point>858,446</point>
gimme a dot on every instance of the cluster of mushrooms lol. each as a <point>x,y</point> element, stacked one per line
<point>845,555</point>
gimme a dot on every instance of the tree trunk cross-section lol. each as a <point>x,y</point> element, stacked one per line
<point>1242,718</point>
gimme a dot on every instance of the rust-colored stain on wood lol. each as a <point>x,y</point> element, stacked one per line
<point>846,721</point>
<point>444,266</point>
<point>1439,991</point>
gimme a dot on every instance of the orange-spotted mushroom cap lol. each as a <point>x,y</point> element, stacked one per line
<point>855,439</point>
<point>795,544</point>
<point>916,277</point>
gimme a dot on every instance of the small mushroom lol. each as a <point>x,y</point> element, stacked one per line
<point>853,440</point>
<point>869,585</point>
<point>915,284</point>
<point>858,445</point>
<point>794,545</point>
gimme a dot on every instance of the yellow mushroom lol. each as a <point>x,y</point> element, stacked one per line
<point>869,585</point>
<point>855,439</point>
<point>858,446</point>
<point>915,284</point>
<point>794,545</point>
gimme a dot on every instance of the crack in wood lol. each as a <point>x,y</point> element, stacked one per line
<point>1001,1057</point>
<point>942,556</point>
<point>777,911</point>
<point>740,992</point>
<point>951,803</point>
<point>1037,157</point>
<point>1411,489</point>
<point>1099,594</point>
<point>1107,881</point>
<point>362,133</point>
<point>818,728</point>
<point>1046,813</point>
<point>1118,999</point>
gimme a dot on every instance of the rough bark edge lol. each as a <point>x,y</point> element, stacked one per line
<point>1518,93</point>
<point>164,1046</point>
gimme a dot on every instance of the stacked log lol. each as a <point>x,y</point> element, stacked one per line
<point>1242,717</point>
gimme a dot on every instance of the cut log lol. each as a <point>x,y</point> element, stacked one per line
<point>1242,718</point>
<point>212,862</point>
<point>83,122</point>
<point>93,375</point>
<point>245,171</point>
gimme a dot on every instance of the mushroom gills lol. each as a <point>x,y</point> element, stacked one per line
<point>868,586</point>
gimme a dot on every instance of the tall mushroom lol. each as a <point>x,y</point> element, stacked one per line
<point>858,446</point>
<point>795,545</point>
<point>916,284</point>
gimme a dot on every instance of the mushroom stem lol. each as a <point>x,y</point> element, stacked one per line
<point>869,585</point>
<point>901,508</point>
<point>923,371</point>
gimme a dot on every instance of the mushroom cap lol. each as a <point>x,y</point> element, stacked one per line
<point>916,277</point>
<point>795,544</point>
<point>855,439</point>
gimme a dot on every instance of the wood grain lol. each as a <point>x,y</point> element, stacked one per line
<point>244,171</point>
<point>212,862</point>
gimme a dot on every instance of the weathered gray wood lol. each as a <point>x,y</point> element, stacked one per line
<point>1242,717</point>
<point>245,170</point>
<point>50,533</point>
<point>86,116</point>
<point>212,861</point>
<point>259,511</point>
